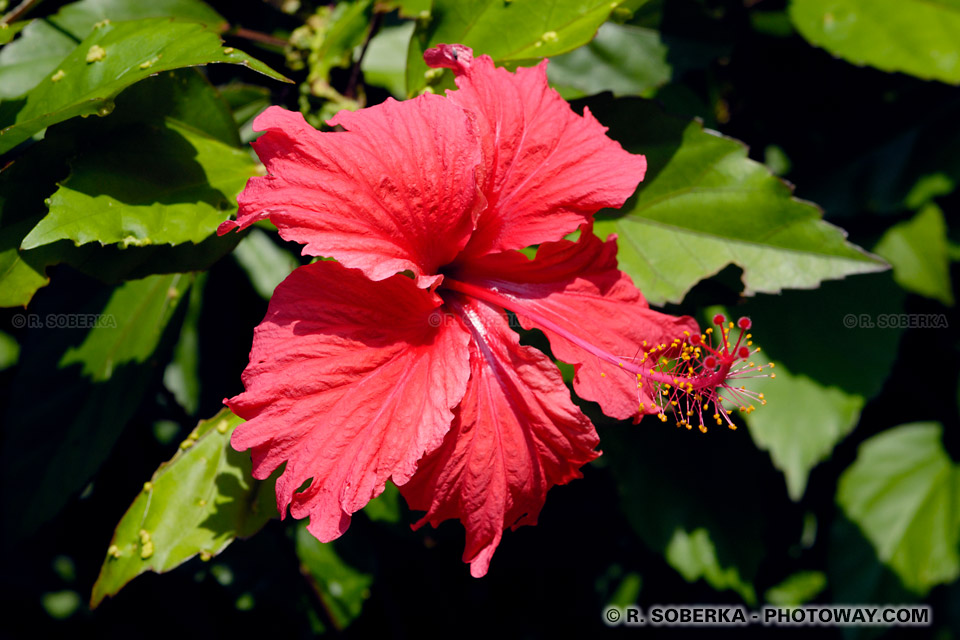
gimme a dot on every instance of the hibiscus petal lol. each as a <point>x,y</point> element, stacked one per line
<point>516,434</point>
<point>577,286</point>
<point>396,191</point>
<point>350,383</point>
<point>547,169</point>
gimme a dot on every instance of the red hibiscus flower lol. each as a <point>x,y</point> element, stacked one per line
<point>397,362</point>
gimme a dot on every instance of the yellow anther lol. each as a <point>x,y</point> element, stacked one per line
<point>703,428</point>
<point>148,486</point>
<point>113,551</point>
<point>603,375</point>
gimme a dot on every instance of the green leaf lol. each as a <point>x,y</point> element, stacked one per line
<point>109,60</point>
<point>515,31</point>
<point>705,530</point>
<point>182,375</point>
<point>266,264</point>
<point>694,555</point>
<point>844,316</point>
<point>183,97</point>
<point>919,37</point>
<point>164,186</point>
<point>83,386</point>
<point>46,42</point>
<point>24,184</point>
<point>801,423</point>
<point>197,503</point>
<point>903,492</point>
<point>334,32</point>
<point>341,587</point>
<point>9,31</point>
<point>919,253</point>
<point>704,205</point>
<point>622,59</point>
<point>385,63</point>
<point>407,8</point>
<point>386,506</point>
<point>800,588</point>
<point>246,101</point>
<point>9,351</point>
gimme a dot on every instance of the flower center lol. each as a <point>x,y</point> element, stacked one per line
<point>689,376</point>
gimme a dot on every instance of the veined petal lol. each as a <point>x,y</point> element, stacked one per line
<point>350,383</point>
<point>396,191</point>
<point>578,288</point>
<point>517,433</point>
<point>547,170</point>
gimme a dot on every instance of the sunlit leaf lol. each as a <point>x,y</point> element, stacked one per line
<point>513,31</point>
<point>903,492</point>
<point>151,186</point>
<point>919,253</point>
<point>385,63</point>
<point>801,423</point>
<point>45,42</point>
<point>919,37</point>
<point>704,205</point>
<point>110,59</point>
<point>265,263</point>
<point>9,31</point>
<point>797,589</point>
<point>197,503</point>
<point>622,59</point>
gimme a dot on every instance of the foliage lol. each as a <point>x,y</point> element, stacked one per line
<point>124,134</point>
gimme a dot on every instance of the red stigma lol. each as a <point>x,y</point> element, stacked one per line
<point>693,379</point>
